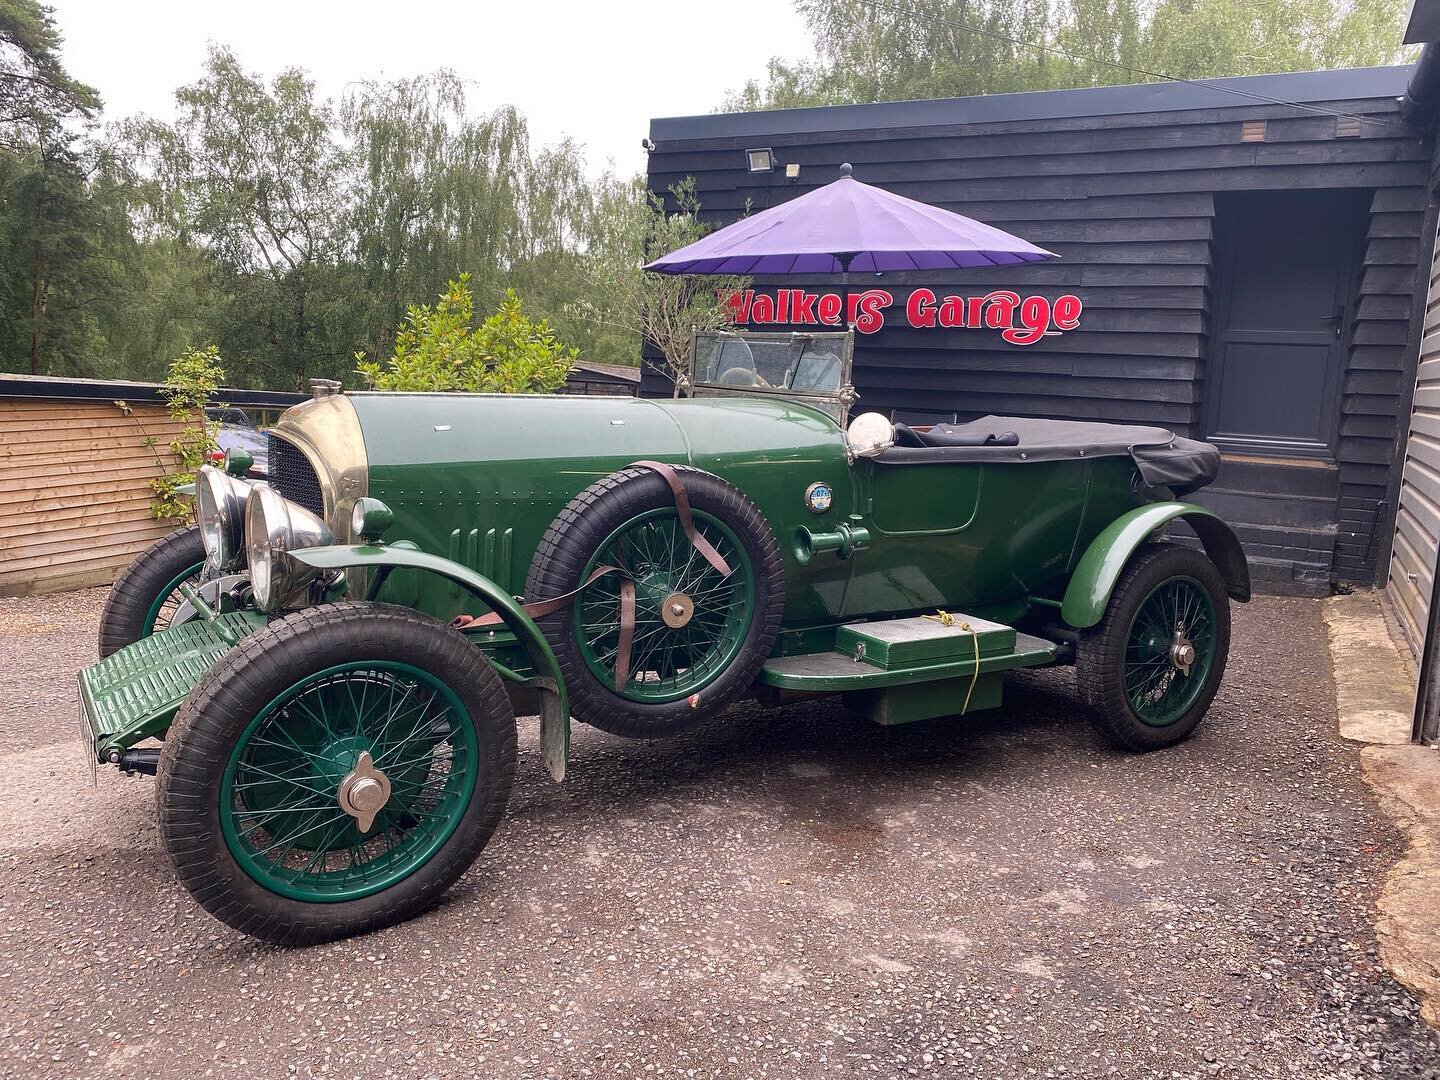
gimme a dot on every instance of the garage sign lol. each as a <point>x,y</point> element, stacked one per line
<point>1020,320</point>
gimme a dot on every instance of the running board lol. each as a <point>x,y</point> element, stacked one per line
<point>911,669</point>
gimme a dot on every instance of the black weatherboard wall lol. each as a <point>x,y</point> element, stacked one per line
<point>1163,201</point>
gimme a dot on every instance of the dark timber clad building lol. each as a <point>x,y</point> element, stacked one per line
<point>1247,271</point>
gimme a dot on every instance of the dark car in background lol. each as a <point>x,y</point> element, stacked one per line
<point>233,428</point>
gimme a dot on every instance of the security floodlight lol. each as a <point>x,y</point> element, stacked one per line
<point>761,160</point>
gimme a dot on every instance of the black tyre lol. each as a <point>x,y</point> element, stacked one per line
<point>145,596</point>
<point>264,783</point>
<point>1169,612</point>
<point>677,674</point>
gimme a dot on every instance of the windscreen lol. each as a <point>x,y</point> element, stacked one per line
<point>798,363</point>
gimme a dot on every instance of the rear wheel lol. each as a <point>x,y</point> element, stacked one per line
<point>335,772</point>
<point>1152,666</point>
<point>147,594</point>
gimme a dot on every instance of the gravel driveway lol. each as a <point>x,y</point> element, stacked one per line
<point>784,894</point>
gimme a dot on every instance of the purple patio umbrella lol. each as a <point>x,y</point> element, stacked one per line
<point>847,225</point>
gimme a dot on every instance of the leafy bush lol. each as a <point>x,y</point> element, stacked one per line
<point>191,382</point>
<point>438,348</point>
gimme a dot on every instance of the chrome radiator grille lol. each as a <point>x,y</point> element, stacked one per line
<point>293,477</point>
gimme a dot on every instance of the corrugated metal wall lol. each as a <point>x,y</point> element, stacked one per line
<point>1417,520</point>
<point>75,490</point>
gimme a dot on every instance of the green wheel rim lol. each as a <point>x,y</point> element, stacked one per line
<point>280,809</point>
<point>162,608</point>
<point>1158,691</point>
<point>666,663</point>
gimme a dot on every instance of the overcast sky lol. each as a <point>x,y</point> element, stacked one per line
<point>597,71</point>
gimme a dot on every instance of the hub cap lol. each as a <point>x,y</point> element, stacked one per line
<point>348,781</point>
<point>677,610</point>
<point>1169,651</point>
<point>364,792</point>
<point>690,621</point>
<point>1182,654</point>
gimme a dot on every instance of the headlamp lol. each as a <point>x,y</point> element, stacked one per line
<point>275,527</point>
<point>220,510</point>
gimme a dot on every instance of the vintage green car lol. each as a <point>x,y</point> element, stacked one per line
<point>335,659</point>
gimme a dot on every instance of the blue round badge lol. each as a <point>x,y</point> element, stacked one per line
<point>818,497</point>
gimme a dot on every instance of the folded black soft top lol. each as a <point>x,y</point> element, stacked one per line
<point>1163,458</point>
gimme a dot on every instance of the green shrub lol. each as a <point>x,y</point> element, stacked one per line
<point>438,348</point>
<point>190,383</point>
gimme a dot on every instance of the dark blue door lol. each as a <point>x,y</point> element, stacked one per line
<point>1287,268</point>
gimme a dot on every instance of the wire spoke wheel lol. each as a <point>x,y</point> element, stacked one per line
<point>162,609</point>
<point>1168,653</point>
<point>348,781</point>
<point>1151,667</point>
<point>335,772</point>
<point>145,598</point>
<point>700,636</point>
<point>690,619</point>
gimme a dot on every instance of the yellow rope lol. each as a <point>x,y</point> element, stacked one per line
<point>944,618</point>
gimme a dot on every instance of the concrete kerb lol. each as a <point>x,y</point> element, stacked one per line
<point>1375,694</point>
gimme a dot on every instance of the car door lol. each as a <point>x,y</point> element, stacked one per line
<point>918,515</point>
<point>962,533</point>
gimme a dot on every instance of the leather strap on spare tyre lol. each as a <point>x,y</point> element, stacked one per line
<point>627,633</point>
<point>682,511</point>
<point>538,608</point>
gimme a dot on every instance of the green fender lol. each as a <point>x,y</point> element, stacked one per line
<point>1088,593</point>
<point>554,701</point>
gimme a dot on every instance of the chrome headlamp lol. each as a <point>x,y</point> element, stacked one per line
<point>275,527</point>
<point>220,510</point>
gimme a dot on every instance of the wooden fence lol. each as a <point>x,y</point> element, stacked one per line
<point>75,490</point>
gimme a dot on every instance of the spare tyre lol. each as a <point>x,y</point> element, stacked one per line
<point>697,636</point>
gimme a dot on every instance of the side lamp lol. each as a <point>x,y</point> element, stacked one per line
<point>370,519</point>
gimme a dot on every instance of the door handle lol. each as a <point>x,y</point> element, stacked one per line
<point>1336,321</point>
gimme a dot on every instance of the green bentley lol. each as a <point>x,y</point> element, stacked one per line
<point>333,660</point>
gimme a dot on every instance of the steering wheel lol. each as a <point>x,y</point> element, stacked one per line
<point>741,376</point>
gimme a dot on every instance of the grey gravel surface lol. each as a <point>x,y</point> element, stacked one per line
<point>795,893</point>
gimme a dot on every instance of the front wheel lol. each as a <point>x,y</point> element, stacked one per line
<point>335,773</point>
<point>147,594</point>
<point>1151,667</point>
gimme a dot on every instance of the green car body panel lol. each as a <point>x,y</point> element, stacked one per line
<point>479,480</point>
<point>1099,569</point>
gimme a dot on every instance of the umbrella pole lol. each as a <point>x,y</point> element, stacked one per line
<point>845,257</point>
